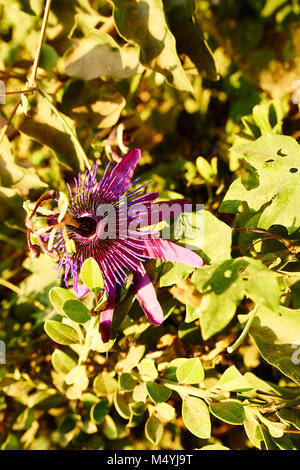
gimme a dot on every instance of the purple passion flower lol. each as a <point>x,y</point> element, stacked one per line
<point>107,221</point>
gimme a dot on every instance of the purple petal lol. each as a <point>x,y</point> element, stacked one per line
<point>169,251</point>
<point>106,317</point>
<point>146,295</point>
<point>81,291</point>
<point>125,168</point>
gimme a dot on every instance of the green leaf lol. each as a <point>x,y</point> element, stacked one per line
<point>45,127</point>
<point>290,416</point>
<point>157,393</point>
<point>164,412</point>
<point>76,311</point>
<point>230,411</point>
<point>225,285</point>
<point>121,402</point>
<point>132,359</point>
<point>276,334</point>
<point>206,234</point>
<point>24,420</point>
<point>189,39</point>
<point>205,169</point>
<point>233,381</point>
<point>99,411</point>
<point>137,408</point>
<point>78,380</point>
<point>98,54</point>
<point>13,175</point>
<point>276,161</point>
<point>190,371</point>
<point>154,430</point>
<point>195,416</point>
<point>104,384</point>
<point>48,58</point>
<point>99,103</point>
<point>173,272</point>
<point>61,333</point>
<point>147,369</point>
<point>91,275</point>
<point>143,23</point>
<point>140,392</point>
<point>127,382</point>
<point>110,429</point>
<point>62,362</point>
<point>171,370</point>
<point>58,296</point>
<point>67,425</point>
<point>88,400</point>
<point>269,442</point>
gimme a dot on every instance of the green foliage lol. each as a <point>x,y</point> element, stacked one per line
<point>272,182</point>
<point>91,275</point>
<point>208,91</point>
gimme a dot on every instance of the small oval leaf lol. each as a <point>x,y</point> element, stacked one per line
<point>58,296</point>
<point>99,411</point>
<point>230,411</point>
<point>76,311</point>
<point>195,416</point>
<point>91,276</point>
<point>157,393</point>
<point>190,371</point>
<point>61,333</point>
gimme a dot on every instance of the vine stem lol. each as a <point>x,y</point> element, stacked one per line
<point>68,128</point>
<point>5,127</point>
<point>32,80</point>
<point>244,333</point>
<point>18,291</point>
<point>291,247</point>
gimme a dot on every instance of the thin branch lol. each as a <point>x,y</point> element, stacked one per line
<point>32,80</point>
<point>5,127</point>
<point>20,92</point>
<point>291,246</point>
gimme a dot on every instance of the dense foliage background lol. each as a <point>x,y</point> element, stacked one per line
<point>208,91</point>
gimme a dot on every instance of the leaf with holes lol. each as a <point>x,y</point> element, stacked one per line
<point>275,159</point>
<point>224,286</point>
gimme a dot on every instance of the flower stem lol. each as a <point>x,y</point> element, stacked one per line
<point>244,333</point>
